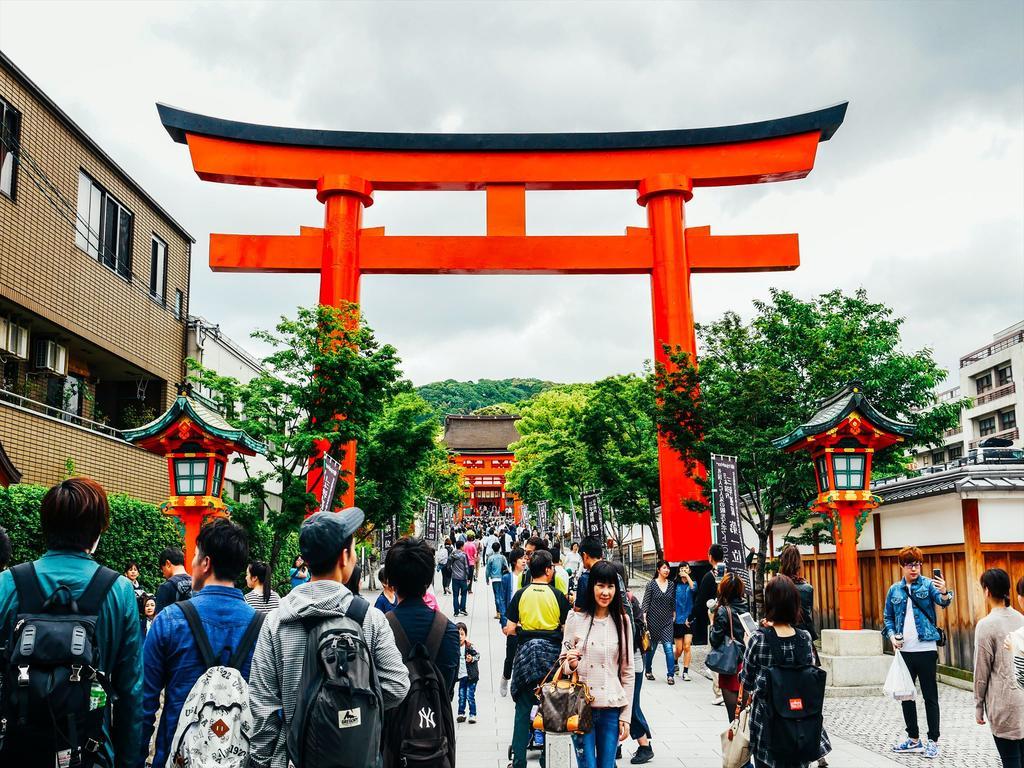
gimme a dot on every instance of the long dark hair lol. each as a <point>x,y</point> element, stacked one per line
<point>603,572</point>
<point>261,572</point>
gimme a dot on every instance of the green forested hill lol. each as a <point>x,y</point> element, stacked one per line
<point>452,396</point>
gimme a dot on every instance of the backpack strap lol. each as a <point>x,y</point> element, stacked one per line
<point>96,591</point>
<point>30,594</point>
<point>357,609</point>
<point>401,639</point>
<point>436,634</point>
<point>247,643</point>
<point>198,632</point>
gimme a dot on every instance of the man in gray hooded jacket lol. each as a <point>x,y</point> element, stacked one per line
<point>326,544</point>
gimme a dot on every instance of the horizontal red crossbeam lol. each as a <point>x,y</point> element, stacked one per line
<point>500,255</point>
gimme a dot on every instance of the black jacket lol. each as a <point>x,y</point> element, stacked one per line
<point>706,590</point>
<point>720,626</point>
<point>806,608</point>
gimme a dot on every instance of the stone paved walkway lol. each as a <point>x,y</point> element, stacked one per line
<point>686,725</point>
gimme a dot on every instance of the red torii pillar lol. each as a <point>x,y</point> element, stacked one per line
<point>662,166</point>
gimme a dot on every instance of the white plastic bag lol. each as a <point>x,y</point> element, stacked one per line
<point>898,683</point>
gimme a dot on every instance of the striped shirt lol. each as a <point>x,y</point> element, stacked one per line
<point>1016,643</point>
<point>255,599</point>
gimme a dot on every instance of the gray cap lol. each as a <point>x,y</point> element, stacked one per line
<point>323,534</point>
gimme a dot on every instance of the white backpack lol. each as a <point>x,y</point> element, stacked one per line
<point>215,723</point>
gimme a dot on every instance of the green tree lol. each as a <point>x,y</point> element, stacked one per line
<point>760,379</point>
<point>497,409</point>
<point>452,396</point>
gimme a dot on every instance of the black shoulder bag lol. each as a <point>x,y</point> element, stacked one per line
<point>941,642</point>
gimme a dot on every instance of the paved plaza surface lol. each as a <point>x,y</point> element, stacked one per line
<point>686,725</point>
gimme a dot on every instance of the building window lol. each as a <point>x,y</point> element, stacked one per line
<point>849,471</point>
<point>10,134</point>
<point>1008,419</point>
<point>983,383</point>
<point>104,227</point>
<point>986,426</point>
<point>956,452</point>
<point>1004,375</point>
<point>939,457</point>
<point>158,270</point>
<point>179,304</point>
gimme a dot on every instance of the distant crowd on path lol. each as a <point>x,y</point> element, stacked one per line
<point>93,670</point>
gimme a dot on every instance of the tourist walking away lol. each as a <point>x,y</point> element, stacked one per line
<point>659,607</point>
<point>598,642</point>
<point>726,624</point>
<point>215,628</point>
<point>909,622</point>
<point>785,687</point>
<point>639,729</point>
<point>791,565</point>
<point>386,600</point>
<point>471,551</point>
<point>148,614</point>
<point>496,568</point>
<point>536,616</point>
<point>177,584</point>
<point>441,561</point>
<point>460,567</point>
<point>512,582</point>
<point>293,695</point>
<point>106,712</point>
<point>469,675</point>
<point>260,596</point>
<point>299,573</point>
<point>682,628</point>
<point>996,693</point>
<point>421,730</point>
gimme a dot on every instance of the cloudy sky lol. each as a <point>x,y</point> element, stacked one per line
<point>919,197</point>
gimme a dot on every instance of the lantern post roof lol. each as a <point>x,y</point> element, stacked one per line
<point>206,419</point>
<point>834,410</point>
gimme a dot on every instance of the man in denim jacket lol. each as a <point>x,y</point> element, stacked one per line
<point>910,625</point>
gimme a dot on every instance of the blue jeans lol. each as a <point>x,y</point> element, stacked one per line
<point>467,692</point>
<point>670,657</point>
<point>597,748</point>
<point>499,599</point>
<point>459,595</point>
<point>638,726</point>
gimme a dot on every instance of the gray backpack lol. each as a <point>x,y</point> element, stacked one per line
<point>337,720</point>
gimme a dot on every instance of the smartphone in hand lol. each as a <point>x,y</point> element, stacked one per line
<point>749,625</point>
<point>937,573</point>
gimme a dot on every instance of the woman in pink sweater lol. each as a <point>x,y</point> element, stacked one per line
<point>598,643</point>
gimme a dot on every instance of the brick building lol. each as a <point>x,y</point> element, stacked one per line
<point>94,285</point>
<point>480,446</point>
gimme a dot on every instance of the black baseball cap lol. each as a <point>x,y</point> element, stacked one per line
<point>324,534</point>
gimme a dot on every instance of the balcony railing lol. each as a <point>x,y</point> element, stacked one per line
<point>995,394</point>
<point>58,413</point>
<point>953,432</point>
<point>1007,434</point>
<point>996,346</point>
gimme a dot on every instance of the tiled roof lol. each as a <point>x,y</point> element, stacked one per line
<point>480,433</point>
<point>967,479</point>
<point>212,421</point>
<point>838,407</point>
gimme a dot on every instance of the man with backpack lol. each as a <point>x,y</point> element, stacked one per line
<point>54,678</point>
<point>421,729</point>
<point>216,628</point>
<point>321,636</point>
<point>178,582</point>
<point>458,563</point>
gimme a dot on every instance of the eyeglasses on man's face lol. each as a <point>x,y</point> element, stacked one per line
<point>914,566</point>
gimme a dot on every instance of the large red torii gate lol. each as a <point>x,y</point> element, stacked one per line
<point>345,167</point>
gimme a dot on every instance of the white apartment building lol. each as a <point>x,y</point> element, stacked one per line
<point>215,351</point>
<point>988,376</point>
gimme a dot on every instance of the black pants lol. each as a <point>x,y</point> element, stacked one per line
<point>1011,752</point>
<point>511,645</point>
<point>922,668</point>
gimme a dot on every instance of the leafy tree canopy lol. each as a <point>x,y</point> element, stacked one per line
<point>463,397</point>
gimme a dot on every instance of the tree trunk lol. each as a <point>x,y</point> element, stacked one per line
<point>653,525</point>
<point>757,599</point>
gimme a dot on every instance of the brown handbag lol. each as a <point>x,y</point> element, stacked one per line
<point>564,704</point>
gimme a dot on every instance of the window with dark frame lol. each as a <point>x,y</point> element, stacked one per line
<point>1008,419</point>
<point>10,135</point>
<point>956,452</point>
<point>986,426</point>
<point>1004,375</point>
<point>179,304</point>
<point>105,227</point>
<point>158,270</point>
<point>849,471</point>
<point>983,383</point>
<point>939,457</point>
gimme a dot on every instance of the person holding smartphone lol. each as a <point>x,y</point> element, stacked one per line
<point>910,624</point>
<point>682,630</point>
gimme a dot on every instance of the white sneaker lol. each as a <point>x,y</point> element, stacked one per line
<point>686,677</point>
<point>503,687</point>
<point>472,718</point>
<point>719,701</point>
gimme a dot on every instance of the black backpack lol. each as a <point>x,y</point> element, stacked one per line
<point>421,730</point>
<point>337,719</point>
<point>53,694</point>
<point>794,696</point>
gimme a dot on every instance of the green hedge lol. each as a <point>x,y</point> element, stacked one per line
<point>138,531</point>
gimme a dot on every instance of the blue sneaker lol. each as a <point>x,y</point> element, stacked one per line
<point>931,749</point>
<point>909,746</point>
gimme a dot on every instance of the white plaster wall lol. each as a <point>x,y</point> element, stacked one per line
<point>1001,520</point>
<point>923,522</point>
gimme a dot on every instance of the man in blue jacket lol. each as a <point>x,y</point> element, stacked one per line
<point>73,515</point>
<point>909,622</point>
<point>172,659</point>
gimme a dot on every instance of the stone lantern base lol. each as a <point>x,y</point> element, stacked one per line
<point>854,661</point>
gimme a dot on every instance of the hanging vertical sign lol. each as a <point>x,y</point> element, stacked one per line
<point>727,514</point>
<point>388,534</point>
<point>542,516</point>
<point>593,521</point>
<point>575,523</point>
<point>430,524</point>
<point>331,469</point>
<point>525,515</point>
<point>447,514</point>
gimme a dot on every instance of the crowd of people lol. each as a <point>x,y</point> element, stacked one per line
<point>95,671</point>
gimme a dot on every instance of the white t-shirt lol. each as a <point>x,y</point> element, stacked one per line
<point>911,642</point>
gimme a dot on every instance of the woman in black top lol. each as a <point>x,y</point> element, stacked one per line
<point>790,564</point>
<point>659,607</point>
<point>726,623</point>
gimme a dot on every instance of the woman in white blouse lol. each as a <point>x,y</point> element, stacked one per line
<point>598,643</point>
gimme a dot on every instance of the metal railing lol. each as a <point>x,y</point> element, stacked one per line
<point>996,346</point>
<point>995,394</point>
<point>952,432</point>
<point>1006,434</point>
<point>59,414</point>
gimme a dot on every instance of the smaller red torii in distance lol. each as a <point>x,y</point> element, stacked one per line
<point>664,167</point>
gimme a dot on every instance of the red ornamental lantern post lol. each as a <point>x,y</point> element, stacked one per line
<point>197,443</point>
<point>843,437</point>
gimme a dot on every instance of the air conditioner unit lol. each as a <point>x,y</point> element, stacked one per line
<point>51,356</point>
<point>13,339</point>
